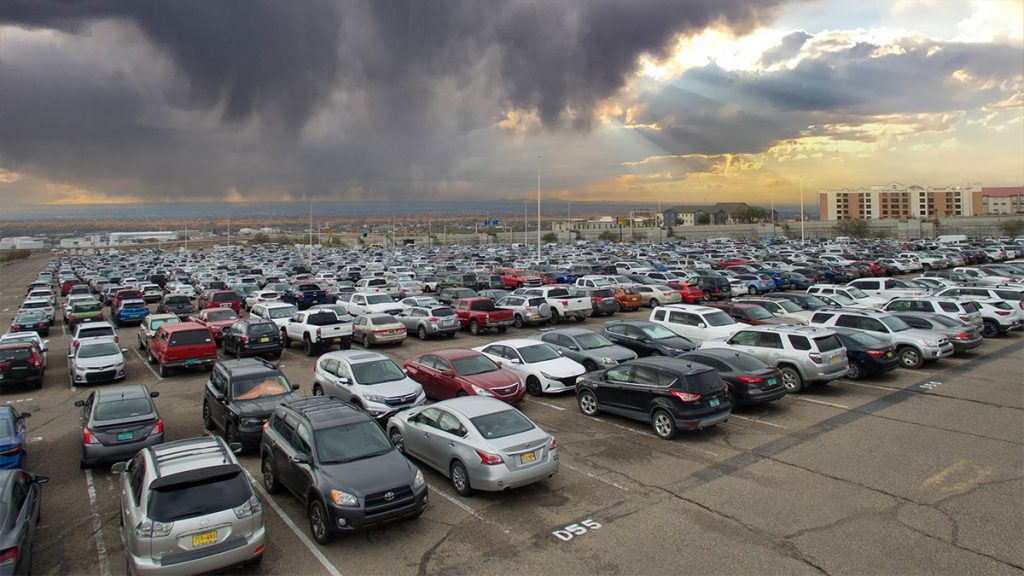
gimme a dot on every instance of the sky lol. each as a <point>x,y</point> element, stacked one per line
<point>672,101</point>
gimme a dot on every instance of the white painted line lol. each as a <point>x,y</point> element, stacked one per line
<point>62,331</point>
<point>647,435</point>
<point>840,406</point>
<point>146,364</point>
<point>874,386</point>
<point>594,476</point>
<point>296,354</point>
<point>772,424</point>
<point>313,549</point>
<point>35,439</point>
<point>467,508</point>
<point>97,526</point>
<point>552,406</point>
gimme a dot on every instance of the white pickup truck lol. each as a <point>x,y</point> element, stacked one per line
<point>359,303</point>
<point>888,288</point>
<point>318,330</point>
<point>563,303</point>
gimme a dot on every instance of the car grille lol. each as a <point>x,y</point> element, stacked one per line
<point>379,503</point>
<point>99,376</point>
<point>532,282</point>
<point>506,391</point>
<point>399,400</point>
<point>570,381</point>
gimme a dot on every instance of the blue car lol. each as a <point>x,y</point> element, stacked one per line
<point>131,312</point>
<point>778,278</point>
<point>12,437</point>
<point>756,284</point>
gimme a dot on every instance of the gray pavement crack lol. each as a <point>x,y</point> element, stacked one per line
<point>429,553</point>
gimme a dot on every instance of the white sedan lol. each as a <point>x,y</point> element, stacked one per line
<point>541,368</point>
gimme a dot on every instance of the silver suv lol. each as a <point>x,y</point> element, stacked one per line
<point>914,347</point>
<point>187,507</point>
<point>955,308</point>
<point>802,354</point>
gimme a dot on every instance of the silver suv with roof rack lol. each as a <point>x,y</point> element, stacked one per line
<point>187,507</point>
<point>802,354</point>
<point>914,347</point>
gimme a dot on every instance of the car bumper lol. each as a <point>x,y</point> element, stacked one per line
<point>22,376</point>
<point>935,353</point>
<point>382,412</point>
<point>557,386</point>
<point>387,338</point>
<point>579,313</point>
<point>830,372</point>
<point>751,395</point>
<point>603,308</point>
<point>345,519</point>
<point>12,462</point>
<point>498,478</point>
<point>99,376</point>
<point>875,366</point>
<point>191,362</point>
<point>962,346</point>
<point>99,453</point>
<point>701,422</point>
<point>216,558</point>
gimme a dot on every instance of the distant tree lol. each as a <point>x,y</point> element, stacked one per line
<point>609,235</point>
<point>750,214</point>
<point>669,232</point>
<point>1012,228</point>
<point>549,237</point>
<point>703,219</point>
<point>260,238</point>
<point>853,227</point>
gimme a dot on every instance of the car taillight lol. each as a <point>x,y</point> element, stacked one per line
<point>35,359</point>
<point>88,437</point>
<point>598,298</point>
<point>318,333</point>
<point>565,303</point>
<point>552,444</point>
<point>158,428</point>
<point>432,319</point>
<point>12,451</point>
<point>245,339</point>
<point>488,459</point>
<point>815,357</point>
<point>1002,312</point>
<point>9,557</point>
<point>962,336</point>
<point>41,324</point>
<point>752,380</point>
<point>686,396</point>
<point>964,317</point>
<point>875,353</point>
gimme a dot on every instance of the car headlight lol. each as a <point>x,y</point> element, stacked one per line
<point>343,498</point>
<point>419,481</point>
<point>480,391</point>
<point>607,360</point>
<point>931,342</point>
<point>548,376</point>
<point>375,398</point>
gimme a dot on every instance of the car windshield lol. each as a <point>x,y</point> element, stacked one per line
<point>657,332</point>
<point>5,428</point>
<point>283,311</point>
<point>946,321</point>
<point>120,408</point>
<point>718,319</point>
<point>87,307</point>
<point>593,341</point>
<point>538,353</point>
<point>855,292</point>
<point>30,318</point>
<point>502,424</point>
<point>98,349</point>
<point>158,322</point>
<point>843,300</point>
<point>218,315</point>
<point>476,364</point>
<point>894,323</point>
<point>377,372</point>
<point>199,497</point>
<point>758,313</point>
<point>350,442</point>
<point>260,387</point>
<point>788,306</point>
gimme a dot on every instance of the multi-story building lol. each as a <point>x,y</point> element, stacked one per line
<point>1006,200</point>
<point>900,201</point>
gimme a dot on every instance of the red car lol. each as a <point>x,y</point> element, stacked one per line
<point>185,344</point>
<point>216,319</point>
<point>876,268</point>
<point>730,262</point>
<point>690,292</point>
<point>514,278</point>
<point>220,299</point>
<point>458,372</point>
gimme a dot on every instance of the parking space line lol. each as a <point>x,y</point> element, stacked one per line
<point>467,508</point>
<point>646,435</point>
<point>97,526</point>
<point>562,462</point>
<point>772,424</point>
<point>874,386</point>
<point>552,406</point>
<point>840,406</point>
<point>313,549</point>
<point>146,364</point>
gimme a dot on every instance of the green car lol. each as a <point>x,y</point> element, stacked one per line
<point>84,311</point>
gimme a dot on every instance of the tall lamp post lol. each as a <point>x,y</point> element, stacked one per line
<point>538,208</point>
<point>802,210</point>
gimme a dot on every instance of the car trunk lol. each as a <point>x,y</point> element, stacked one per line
<point>114,432</point>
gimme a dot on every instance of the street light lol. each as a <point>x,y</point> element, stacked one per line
<point>801,210</point>
<point>538,209</point>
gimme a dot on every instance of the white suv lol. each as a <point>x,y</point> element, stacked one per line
<point>697,323</point>
<point>369,380</point>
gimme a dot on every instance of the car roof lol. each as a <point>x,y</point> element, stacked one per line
<point>91,325</point>
<point>248,366</point>
<point>354,356</point>
<point>162,316</point>
<point>16,344</point>
<point>453,353</point>
<point>269,305</point>
<point>692,308</point>
<point>473,406</point>
<point>326,410</point>
<point>791,328</point>
<point>572,331</point>
<point>190,454</point>
<point>516,342</point>
<point>182,326</point>
<point>668,363</point>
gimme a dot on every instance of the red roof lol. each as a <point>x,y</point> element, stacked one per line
<point>1004,191</point>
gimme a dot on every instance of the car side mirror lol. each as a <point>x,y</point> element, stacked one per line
<point>71,355</point>
<point>497,363</point>
<point>40,480</point>
<point>25,415</point>
<point>299,459</point>
<point>119,468</point>
<point>701,325</point>
<point>236,447</point>
<point>79,403</point>
<point>343,380</point>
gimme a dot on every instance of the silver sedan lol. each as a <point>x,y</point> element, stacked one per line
<point>478,442</point>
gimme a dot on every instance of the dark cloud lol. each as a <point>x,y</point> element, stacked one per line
<point>788,48</point>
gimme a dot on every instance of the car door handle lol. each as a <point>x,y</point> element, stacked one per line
<point>450,443</point>
<point>426,435</point>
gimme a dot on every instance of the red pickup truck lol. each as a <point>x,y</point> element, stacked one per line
<point>514,278</point>
<point>479,314</point>
<point>184,344</point>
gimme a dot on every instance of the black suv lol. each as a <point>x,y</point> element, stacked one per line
<point>335,459</point>
<point>667,392</point>
<point>239,397</point>
<point>253,337</point>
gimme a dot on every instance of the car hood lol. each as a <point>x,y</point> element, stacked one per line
<point>918,334</point>
<point>99,361</point>
<point>615,352</point>
<point>402,387</point>
<point>370,475</point>
<point>494,379</point>
<point>558,367</point>
<point>260,406</point>
<point>675,343</point>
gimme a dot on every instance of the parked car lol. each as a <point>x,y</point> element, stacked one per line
<point>539,366</point>
<point>646,338</point>
<point>458,372</point>
<point>526,310</point>
<point>628,297</point>
<point>13,440</point>
<point>187,507</point>
<point>375,329</point>
<point>220,299</point>
<point>655,295</point>
<point>592,350</point>
<point>964,337</point>
<point>239,397</point>
<point>429,321</point>
<point>750,380</point>
<point>84,332</point>
<point>151,324</point>
<point>84,311</point>
<point>751,313</point>
<point>96,360</point>
<point>118,422</point>
<point>953,308</point>
<point>22,362</point>
<point>20,499</point>
<point>479,314</point>
<point>867,354</point>
<point>369,380</point>
<point>279,313</point>
<point>182,345</point>
<point>479,443</point>
<point>129,312</point>
<point>341,466</point>
<point>177,304</point>
<point>31,322</point>
<point>216,319</point>
<point>696,323</point>
<point>913,347</point>
<point>253,337</point>
<point>669,393</point>
<point>42,345</point>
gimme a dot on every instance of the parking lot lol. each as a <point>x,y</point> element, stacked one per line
<point>919,471</point>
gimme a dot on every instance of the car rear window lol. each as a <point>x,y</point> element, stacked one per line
<point>442,312</point>
<point>707,382</point>
<point>322,319</point>
<point>558,293</point>
<point>190,337</point>
<point>5,431</point>
<point>95,332</point>
<point>87,307</point>
<point>199,497</point>
<point>177,300</point>
<point>263,328</point>
<point>502,424</point>
<point>1010,295</point>
<point>9,354</point>
<point>482,306</point>
<point>224,297</point>
<point>122,408</point>
<point>827,343</point>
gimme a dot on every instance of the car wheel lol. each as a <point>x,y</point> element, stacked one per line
<point>590,365</point>
<point>555,316</point>
<point>587,403</point>
<point>307,346</point>
<point>502,329</point>
<point>460,479</point>
<point>664,425</point>
<point>751,290</point>
<point>366,341</point>
<point>207,420</point>
<point>910,358</point>
<point>318,390</point>
<point>397,440</point>
<point>422,333</point>
<point>533,386</point>
<point>285,340</point>
<point>150,357</point>
<point>581,318</point>
<point>655,353</point>
<point>655,303</point>
<point>231,433</point>
<point>989,329</point>
<point>270,476</point>
<point>791,379</point>
<point>518,321</point>
<point>451,334</point>
<point>855,371</point>
<point>474,328</point>
<point>163,370</point>
<point>141,346</point>
<point>318,523</point>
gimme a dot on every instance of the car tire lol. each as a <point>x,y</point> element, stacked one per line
<point>533,386</point>
<point>580,318</point>
<point>285,340</point>
<point>751,290</point>
<point>397,440</point>
<point>791,379</point>
<point>655,353</point>
<point>366,342</point>
<point>474,328</point>
<point>518,321</point>
<point>590,365</point>
<point>163,370</point>
<point>231,433</point>
<point>502,329</point>
<point>989,329</point>
<point>555,316</point>
<point>150,357</point>
<point>307,346</point>
<point>318,390</point>
<point>421,332</point>
<point>460,479</point>
<point>318,523</point>
<point>655,303</point>
<point>910,357</point>
<point>270,482</point>
<point>664,425</point>
<point>207,419</point>
<point>855,371</point>
<point>587,403</point>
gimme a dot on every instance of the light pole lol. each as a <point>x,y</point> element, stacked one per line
<point>802,239</point>
<point>538,208</point>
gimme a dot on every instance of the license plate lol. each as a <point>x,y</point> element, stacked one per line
<point>391,331</point>
<point>836,359</point>
<point>204,539</point>
<point>264,339</point>
<point>888,354</point>
<point>190,362</point>
<point>771,381</point>
<point>713,402</point>
<point>122,436</point>
<point>316,301</point>
<point>528,457</point>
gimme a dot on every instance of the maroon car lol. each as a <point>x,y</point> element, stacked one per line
<point>216,319</point>
<point>458,372</point>
<point>750,313</point>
